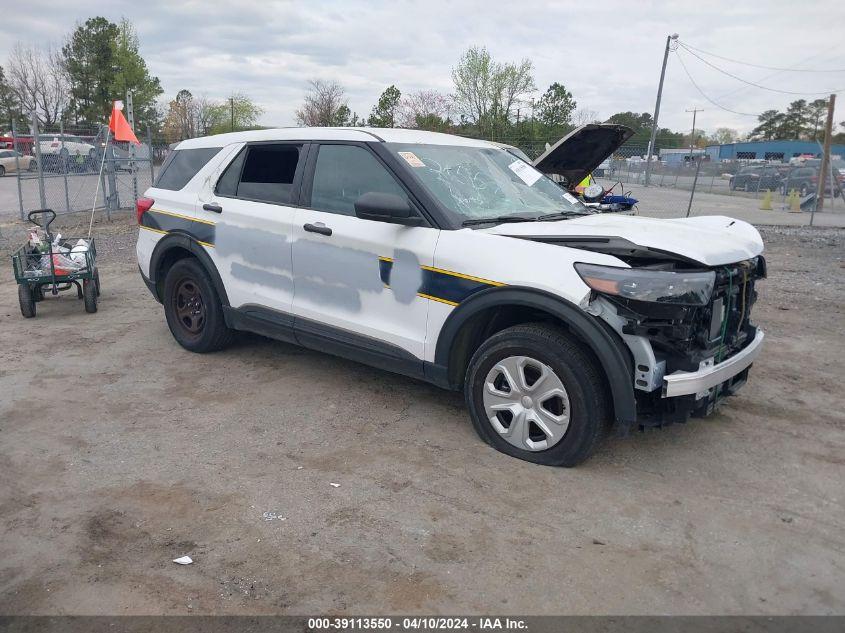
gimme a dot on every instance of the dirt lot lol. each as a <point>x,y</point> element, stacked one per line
<point>119,451</point>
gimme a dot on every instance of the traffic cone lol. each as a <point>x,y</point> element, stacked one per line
<point>766,202</point>
<point>794,201</point>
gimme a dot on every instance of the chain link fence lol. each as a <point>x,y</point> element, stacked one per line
<point>684,181</point>
<point>70,169</point>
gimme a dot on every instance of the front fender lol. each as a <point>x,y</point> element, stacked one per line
<point>608,349</point>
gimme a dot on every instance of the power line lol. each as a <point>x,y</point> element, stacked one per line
<point>783,70</point>
<point>715,103</point>
<point>751,83</point>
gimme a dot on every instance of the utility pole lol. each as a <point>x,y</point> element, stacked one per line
<point>669,40</point>
<point>692,137</point>
<point>232,108</point>
<point>828,132</point>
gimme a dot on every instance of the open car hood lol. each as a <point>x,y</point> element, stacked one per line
<point>712,240</point>
<point>582,150</point>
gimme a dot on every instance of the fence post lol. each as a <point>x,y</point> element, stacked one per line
<point>15,146</point>
<point>150,155</point>
<point>64,165</point>
<point>112,199</point>
<point>36,142</point>
<point>694,184</point>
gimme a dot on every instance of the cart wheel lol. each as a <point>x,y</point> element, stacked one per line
<point>26,300</point>
<point>97,279</point>
<point>89,293</point>
<point>38,293</point>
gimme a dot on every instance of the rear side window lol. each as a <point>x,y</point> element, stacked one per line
<point>263,173</point>
<point>182,165</point>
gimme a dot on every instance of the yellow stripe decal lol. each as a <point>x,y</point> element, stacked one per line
<point>184,217</point>
<point>438,299</point>
<point>149,228</point>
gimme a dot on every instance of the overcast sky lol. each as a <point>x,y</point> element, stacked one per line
<point>607,53</point>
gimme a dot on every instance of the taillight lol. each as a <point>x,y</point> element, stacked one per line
<point>142,206</point>
<point>814,178</point>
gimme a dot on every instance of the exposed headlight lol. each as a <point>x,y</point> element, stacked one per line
<point>659,286</point>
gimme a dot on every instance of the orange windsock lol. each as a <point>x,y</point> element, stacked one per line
<point>119,126</point>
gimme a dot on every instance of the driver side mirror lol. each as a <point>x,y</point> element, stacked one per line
<point>386,207</point>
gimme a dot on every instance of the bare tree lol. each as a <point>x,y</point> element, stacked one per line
<point>39,81</point>
<point>423,106</point>
<point>582,116</point>
<point>325,105</point>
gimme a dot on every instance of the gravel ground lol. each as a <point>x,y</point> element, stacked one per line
<point>119,451</point>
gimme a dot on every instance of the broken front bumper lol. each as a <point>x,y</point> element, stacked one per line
<point>682,383</point>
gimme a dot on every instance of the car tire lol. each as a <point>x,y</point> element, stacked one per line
<point>33,165</point>
<point>26,299</point>
<point>574,409</point>
<point>803,190</point>
<point>192,308</point>
<point>2,171</point>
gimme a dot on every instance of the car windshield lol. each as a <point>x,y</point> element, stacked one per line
<point>478,183</point>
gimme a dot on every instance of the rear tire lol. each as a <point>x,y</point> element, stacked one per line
<point>581,408</point>
<point>26,300</point>
<point>89,295</point>
<point>2,171</point>
<point>192,308</point>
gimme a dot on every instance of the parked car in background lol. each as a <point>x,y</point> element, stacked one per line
<point>805,179</point>
<point>759,178</point>
<point>65,145</point>
<point>10,160</point>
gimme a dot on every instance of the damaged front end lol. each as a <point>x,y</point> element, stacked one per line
<point>688,328</point>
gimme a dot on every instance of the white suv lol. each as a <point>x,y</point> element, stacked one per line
<point>453,261</point>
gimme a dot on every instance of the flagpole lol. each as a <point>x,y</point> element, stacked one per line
<point>99,180</point>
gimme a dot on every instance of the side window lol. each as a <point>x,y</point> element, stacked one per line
<point>266,173</point>
<point>182,166</point>
<point>228,183</point>
<point>343,174</point>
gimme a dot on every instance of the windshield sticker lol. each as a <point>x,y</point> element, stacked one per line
<point>569,198</point>
<point>526,172</point>
<point>412,159</point>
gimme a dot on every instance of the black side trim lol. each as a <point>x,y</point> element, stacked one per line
<point>324,338</point>
<point>445,286</point>
<point>182,240</point>
<point>260,320</point>
<point>610,353</point>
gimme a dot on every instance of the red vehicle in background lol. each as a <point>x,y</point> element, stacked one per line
<point>22,143</point>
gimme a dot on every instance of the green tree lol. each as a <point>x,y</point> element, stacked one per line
<point>239,113</point>
<point>89,59</point>
<point>556,106</point>
<point>636,122</point>
<point>816,113</point>
<point>795,121</point>
<point>103,62</point>
<point>131,75</point>
<point>384,113</point>
<point>488,92</point>
<point>769,127</point>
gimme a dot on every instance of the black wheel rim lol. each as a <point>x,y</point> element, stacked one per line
<point>189,306</point>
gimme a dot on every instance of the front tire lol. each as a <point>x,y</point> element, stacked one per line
<point>192,308</point>
<point>534,393</point>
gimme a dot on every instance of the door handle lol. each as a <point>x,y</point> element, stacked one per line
<point>317,228</point>
<point>214,208</point>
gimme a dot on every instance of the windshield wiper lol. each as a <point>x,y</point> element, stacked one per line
<point>560,215</point>
<point>501,219</point>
